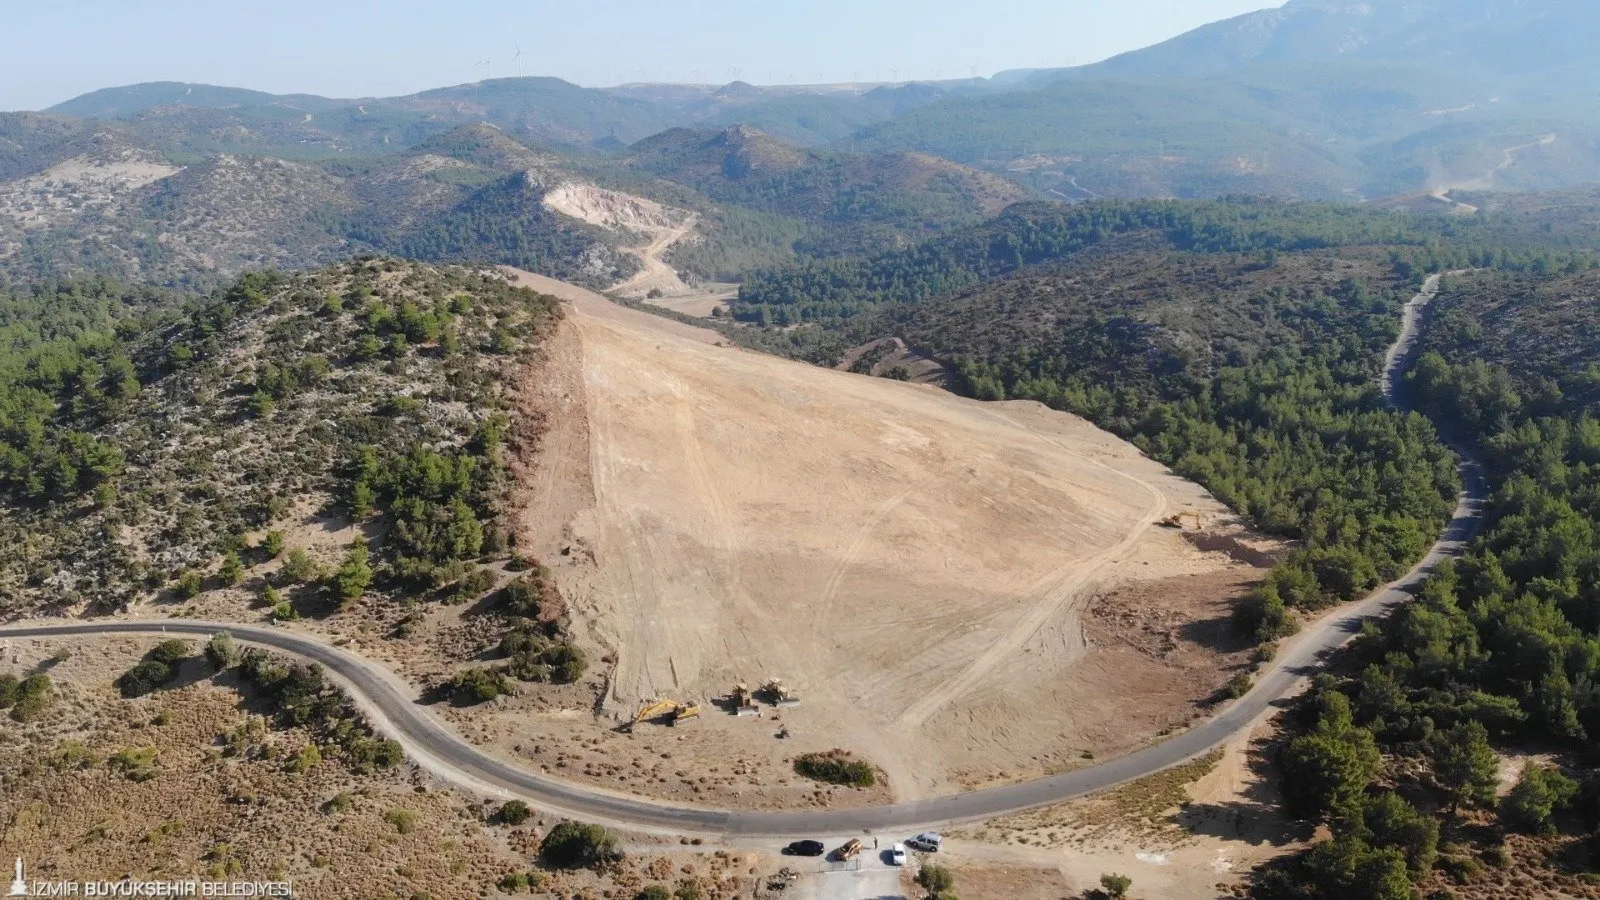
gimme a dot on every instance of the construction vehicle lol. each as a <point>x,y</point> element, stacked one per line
<point>653,709</point>
<point>744,702</point>
<point>779,695</point>
<point>684,711</point>
<point>662,708</point>
<point>1176,520</point>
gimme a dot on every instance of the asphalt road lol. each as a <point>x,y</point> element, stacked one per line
<point>395,711</point>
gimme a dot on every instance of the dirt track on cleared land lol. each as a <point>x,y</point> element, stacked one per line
<point>914,564</point>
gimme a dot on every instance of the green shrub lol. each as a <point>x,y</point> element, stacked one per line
<point>513,883</point>
<point>222,650</point>
<point>353,577</point>
<point>135,763</point>
<point>471,586</point>
<point>836,767</point>
<point>1116,886</point>
<point>367,754</point>
<point>1532,804</point>
<point>525,595</point>
<point>514,812</point>
<point>8,689</point>
<point>272,544</point>
<point>284,611</point>
<point>72,756</point>
<point>1461,869</point>
<point>936,878</point>
<point>403,820</point>
<point>299,568</point>
<point>572,845</point>
<point>189,585</point>
<point>146,676</point>
<point>232,570</point>
<point>261,404</point>
<point>31,697</point>
<point>1237,686</point>
<point>171,652</point>
<point>309,757</point>
<point>535,657</point>
<point>479,685</point>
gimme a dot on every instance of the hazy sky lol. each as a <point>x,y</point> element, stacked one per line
<point>52,51</point>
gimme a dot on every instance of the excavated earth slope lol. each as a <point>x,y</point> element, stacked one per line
<point>962,592</point>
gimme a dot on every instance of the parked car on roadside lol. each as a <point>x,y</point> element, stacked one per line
<point>927,842</point>
<point>805,848</point>
<point>897,855</point>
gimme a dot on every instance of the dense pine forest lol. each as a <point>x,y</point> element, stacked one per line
<point>150,439</point>
<point>1031,234</point>
<point>1499,652</point>
<point>64,368</point>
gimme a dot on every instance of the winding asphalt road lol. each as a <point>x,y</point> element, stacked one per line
<point>395,711</point>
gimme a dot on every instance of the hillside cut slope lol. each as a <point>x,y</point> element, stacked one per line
<point>917,566</point>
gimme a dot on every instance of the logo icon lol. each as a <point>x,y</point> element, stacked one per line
<point>19,884</point>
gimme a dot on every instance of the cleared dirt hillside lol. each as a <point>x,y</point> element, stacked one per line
<point>915,565</point>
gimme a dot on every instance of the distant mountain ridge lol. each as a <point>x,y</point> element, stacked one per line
<point>1516,37</point>
<point>879,200</point>
<point>1316,99</point>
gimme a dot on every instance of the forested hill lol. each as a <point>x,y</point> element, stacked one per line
<point>1031,234</point>
<point>148,439</point>
<point>866,201</point>
<point>1531,342</point>
<point>1401,755</point>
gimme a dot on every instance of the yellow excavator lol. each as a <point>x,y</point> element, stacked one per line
<point>1176,520</point>
<point>671,710</point>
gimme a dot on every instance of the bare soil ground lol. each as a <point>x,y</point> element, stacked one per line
<point>885,355</point>
<point>697,300</point>
<point>1191,833</point>
<point>917,566</point>
<point>661,227</point>
<point>77,186</point>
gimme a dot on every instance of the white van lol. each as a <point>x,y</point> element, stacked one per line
<point>927,842</point>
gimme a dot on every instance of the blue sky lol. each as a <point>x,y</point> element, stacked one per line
<point>57,50</point>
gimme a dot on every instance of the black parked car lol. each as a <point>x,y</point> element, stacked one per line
<point>804,848</point>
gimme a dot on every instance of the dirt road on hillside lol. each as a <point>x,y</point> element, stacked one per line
<point>656,274</point>
<point>1488,180</point>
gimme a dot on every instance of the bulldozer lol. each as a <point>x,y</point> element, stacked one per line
<point>778,694</point>
<point>1176,520</point>
<point>744,701</point>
